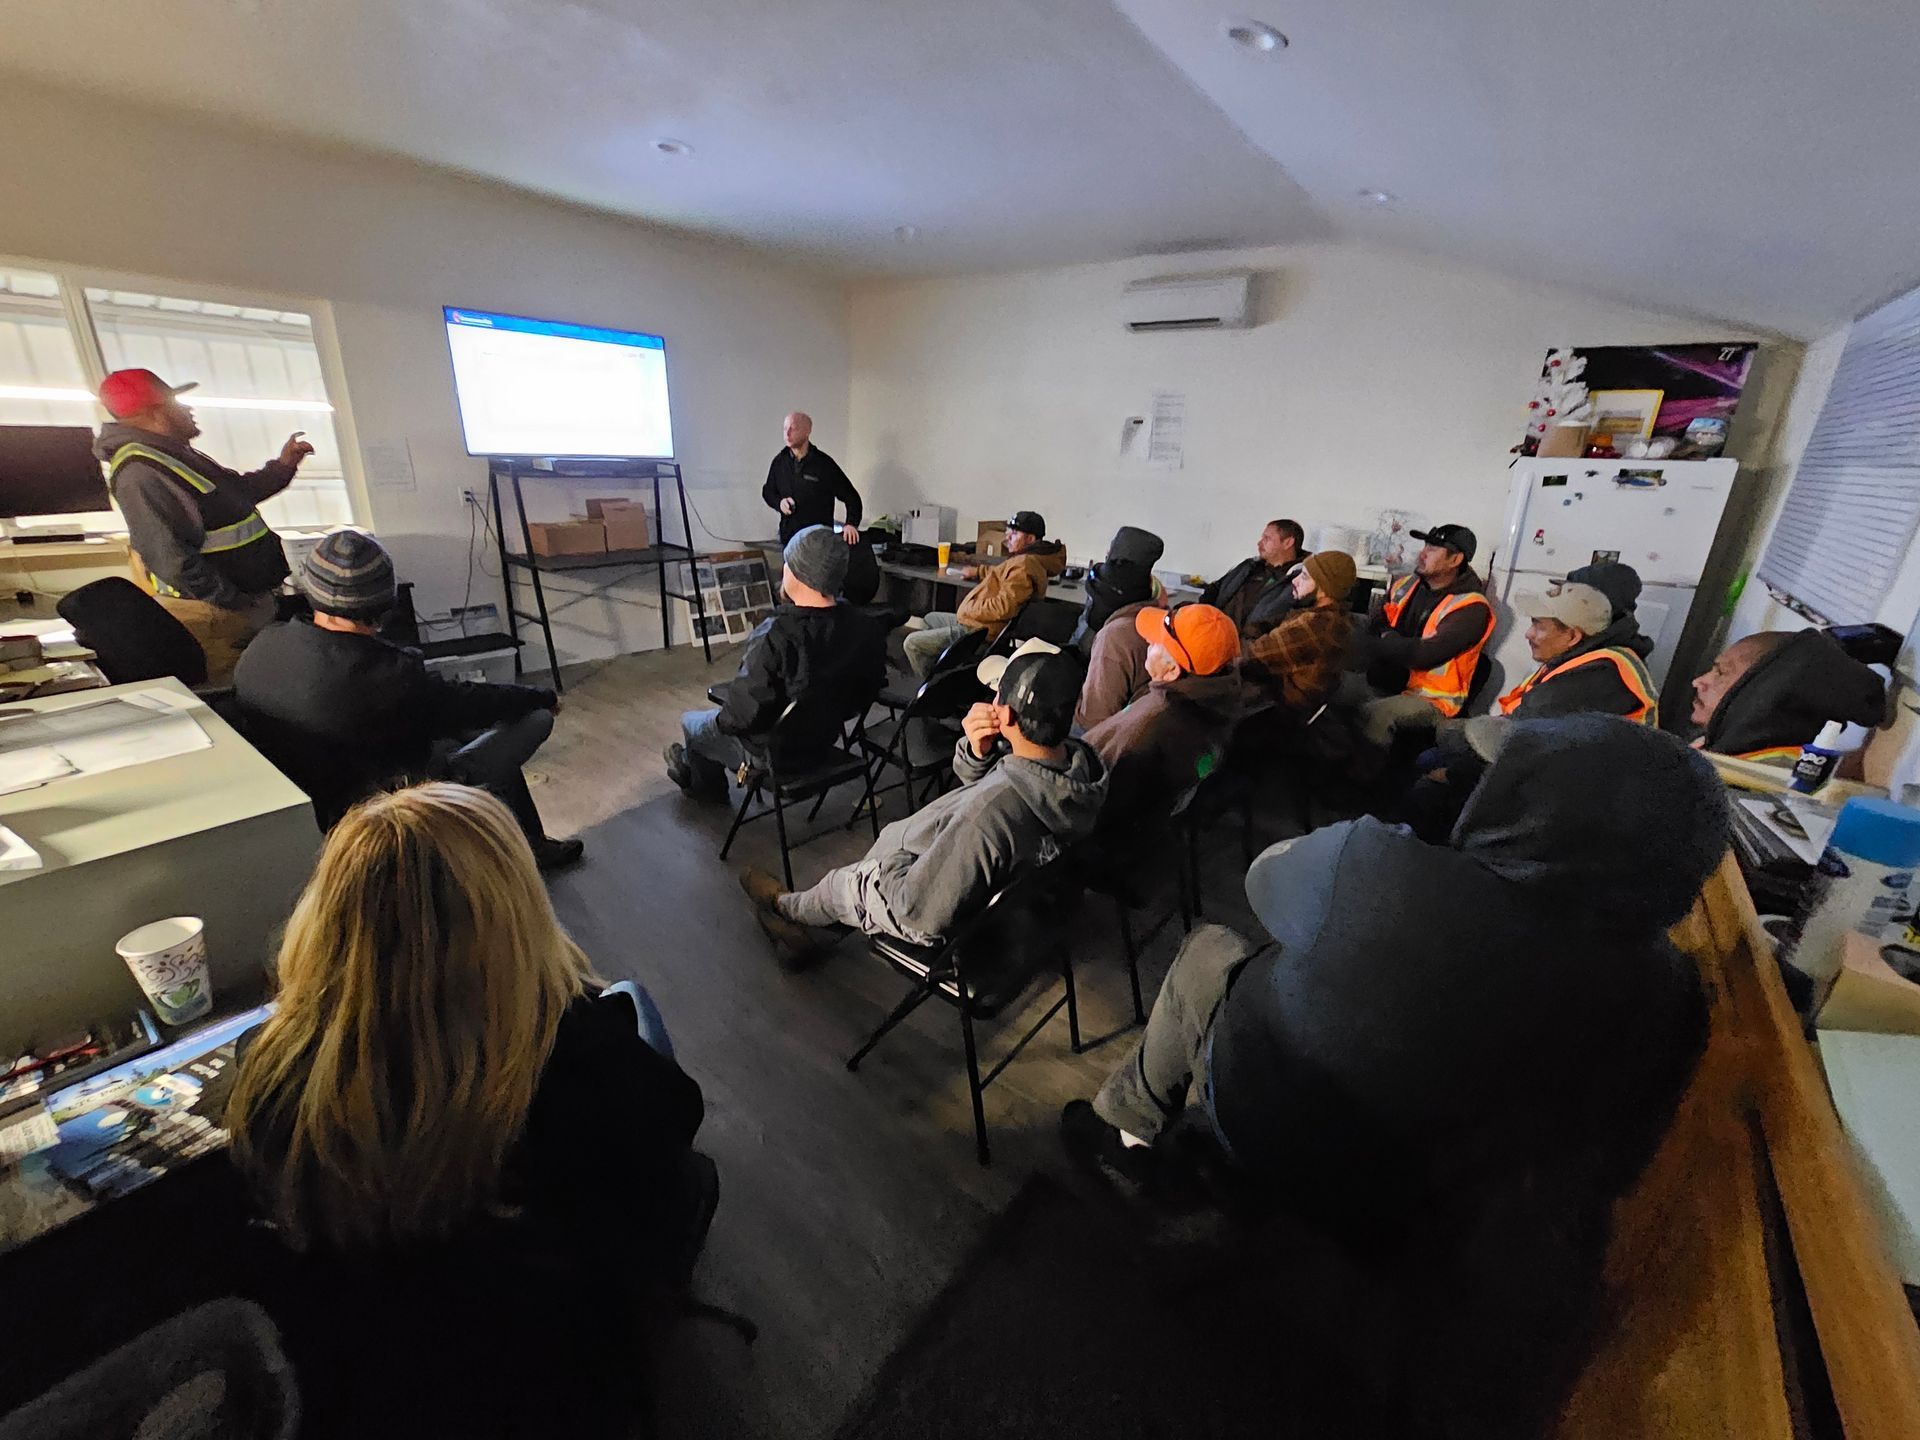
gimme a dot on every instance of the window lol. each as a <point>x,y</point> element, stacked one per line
<point>1851,510</point>
<point>259,381</point>
<point>257,367</point>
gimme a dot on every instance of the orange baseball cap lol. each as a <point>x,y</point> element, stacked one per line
<point>1202,639</point>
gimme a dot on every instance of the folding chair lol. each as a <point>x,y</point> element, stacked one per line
<point>989,963</point>
<point>791,781</point>
<point>919,741</point>
<point>962,654</point>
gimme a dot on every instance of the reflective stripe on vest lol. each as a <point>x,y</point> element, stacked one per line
<point>1633,675</point>
<point>244,531</point>
<point>1768,754</point>
<point>1444,687</point>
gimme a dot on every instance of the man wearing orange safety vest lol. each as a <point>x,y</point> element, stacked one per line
<point>1582,667</point>
<point>1428,638</point>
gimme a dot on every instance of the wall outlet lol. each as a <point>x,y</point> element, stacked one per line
<point>471,496</point>
<point>468,614</point>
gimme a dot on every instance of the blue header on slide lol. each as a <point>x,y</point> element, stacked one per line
<point>486,320</point>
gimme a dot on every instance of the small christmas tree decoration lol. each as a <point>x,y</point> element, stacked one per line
<point>1560,398</point>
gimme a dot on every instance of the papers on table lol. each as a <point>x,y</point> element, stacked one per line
<point>1815,822</point>
<point>94,737</point>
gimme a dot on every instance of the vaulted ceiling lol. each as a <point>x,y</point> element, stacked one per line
<point>1755,162</point>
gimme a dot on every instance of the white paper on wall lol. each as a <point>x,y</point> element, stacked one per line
<point>1167,430</point>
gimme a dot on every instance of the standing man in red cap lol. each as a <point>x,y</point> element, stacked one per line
<point>198,542</point>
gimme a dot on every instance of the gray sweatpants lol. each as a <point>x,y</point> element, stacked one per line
<point>847,896</point>
<point>1152,1085</point>
<point>924,647</point>
<point>1383,717</point>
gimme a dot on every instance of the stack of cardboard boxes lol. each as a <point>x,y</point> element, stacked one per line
<point>613,525</point>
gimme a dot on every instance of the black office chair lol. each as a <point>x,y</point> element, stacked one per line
<point>791,779</point>
<point>919,742</point>
<point>1483,669</point>
<point>989,963</point>
<point>132,633</point>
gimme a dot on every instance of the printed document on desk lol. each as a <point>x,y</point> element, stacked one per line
<point>92,738</point>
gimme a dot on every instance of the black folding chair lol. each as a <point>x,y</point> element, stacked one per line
<point>963,654</point>
<point>990,962</point>
<point>790,780</point>
<point>919,742</point>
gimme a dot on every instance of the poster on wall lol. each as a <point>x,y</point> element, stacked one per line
<point>1698,388</point>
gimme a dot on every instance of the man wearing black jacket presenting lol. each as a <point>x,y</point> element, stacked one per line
<point>803,482</point>
<point>344,713</point>
<point>813,648</point>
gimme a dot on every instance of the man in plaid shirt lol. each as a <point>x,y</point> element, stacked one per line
<point>1301,658</point>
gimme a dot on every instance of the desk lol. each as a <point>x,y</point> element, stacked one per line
<point>217,833</point>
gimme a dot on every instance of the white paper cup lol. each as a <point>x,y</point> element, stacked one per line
<point>169,960</point>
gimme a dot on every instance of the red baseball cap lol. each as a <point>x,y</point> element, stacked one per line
<point>128,392</point>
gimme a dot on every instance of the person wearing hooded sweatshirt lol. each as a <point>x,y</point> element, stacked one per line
<point>1769,693</point>
<point>1168,738</point>
<point>1499,1076</point>
<point>1124,578</point>
<point>1004,591</point>
<point>1574,640</point>
<point>198,544</point>
<point>1026,791</point>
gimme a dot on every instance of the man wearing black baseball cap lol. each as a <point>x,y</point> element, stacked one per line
<point>1003,592</point>
<point>1026,790</point>
<point>1428,637</point>
<point>199,545</point>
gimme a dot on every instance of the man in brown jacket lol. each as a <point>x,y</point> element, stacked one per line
<point>1003,592</point>
<point>1301,658</point>
<point>1116,670</point>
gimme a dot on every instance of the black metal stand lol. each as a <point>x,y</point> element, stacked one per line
<point>659,554</point>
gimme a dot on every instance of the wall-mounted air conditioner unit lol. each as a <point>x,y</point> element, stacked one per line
<point>1187,302</point>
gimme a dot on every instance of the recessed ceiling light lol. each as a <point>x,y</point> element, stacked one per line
<point>673,147</point>
<point>906,234</point>
<point>1252,35</point>
<point>1378,197</point>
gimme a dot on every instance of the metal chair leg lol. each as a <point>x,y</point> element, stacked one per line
<point>974,1087</point>
<point>1073,999</point>
<point>1193,872</point>
<point>780,821</point>
<point>1133,959</point>
<point>819,800</point>
<point>915,999</point>
<point>748,796</point>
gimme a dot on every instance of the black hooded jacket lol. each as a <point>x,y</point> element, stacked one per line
<point>1590,689</point>
<point>1789,693</point>
<point>1439,1024</point>
<point>1124,578</point>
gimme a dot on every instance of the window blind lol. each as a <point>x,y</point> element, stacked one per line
<point>1851,509</point>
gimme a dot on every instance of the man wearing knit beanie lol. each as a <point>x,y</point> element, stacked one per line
<point>823,659</point>
<point>345,713</point>
<point>1299,661</point>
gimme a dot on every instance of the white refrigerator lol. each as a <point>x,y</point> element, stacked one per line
<point>1659,516</point>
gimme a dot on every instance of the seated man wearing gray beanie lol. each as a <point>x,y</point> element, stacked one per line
<point>345,713</point>
<point>811,647</point>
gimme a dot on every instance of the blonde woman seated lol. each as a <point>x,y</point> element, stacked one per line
<point>443,1070</point>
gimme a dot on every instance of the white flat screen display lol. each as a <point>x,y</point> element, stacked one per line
<point>542,387</point>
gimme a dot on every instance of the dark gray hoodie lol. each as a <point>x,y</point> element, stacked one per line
<point>1438,1019</point>
<point>944,861</point>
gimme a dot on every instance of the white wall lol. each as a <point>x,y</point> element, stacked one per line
<point>376,247</point>
<point>1371,380</point>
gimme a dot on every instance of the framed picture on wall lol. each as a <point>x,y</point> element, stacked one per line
<point>1625,414</point>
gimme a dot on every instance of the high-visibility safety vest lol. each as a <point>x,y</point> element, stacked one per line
<point>1444,687</point>
<point>228,528</point>
<point>1633,675</point>
<point>1771,754</point>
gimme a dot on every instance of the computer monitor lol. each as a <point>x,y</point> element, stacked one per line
<point>49,470</point>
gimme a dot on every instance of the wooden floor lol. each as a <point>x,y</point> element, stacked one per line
<point>846,1200</point>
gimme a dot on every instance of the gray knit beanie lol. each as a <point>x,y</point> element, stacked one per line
<point>349,574</point>
<point>818,558</point>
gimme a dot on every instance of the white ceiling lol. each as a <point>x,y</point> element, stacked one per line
<point>1755,160</point>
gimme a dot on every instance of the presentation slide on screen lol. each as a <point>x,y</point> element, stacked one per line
<point>539,387</point>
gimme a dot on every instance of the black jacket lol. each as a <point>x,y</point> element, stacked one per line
<point>1595,689</point>
<point>1266,604</point>
<point>1789,693</point>
<point>813,484</point>
<point>1124,578</point>
<point>1393,650</point>
<point>832,661</point>
<point>167,520</point>
<point>343,715</point>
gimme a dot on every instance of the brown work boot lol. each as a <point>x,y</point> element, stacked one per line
<point>794,946</point>
<point>763,889</point>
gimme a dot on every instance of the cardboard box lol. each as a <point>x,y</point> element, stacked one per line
<point>568,537</point>
<point>626,522</point>
<point>1869,994</point>
<point>992,544</point>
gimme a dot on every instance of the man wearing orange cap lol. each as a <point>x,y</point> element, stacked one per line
<point>199,544</point>
<point>1173,732</point>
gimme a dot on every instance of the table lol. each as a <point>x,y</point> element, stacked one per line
<point>1072,593</point>
<point>218,833</point>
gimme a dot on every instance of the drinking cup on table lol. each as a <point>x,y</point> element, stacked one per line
<point>945,551</point>
<point>169,960</point>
